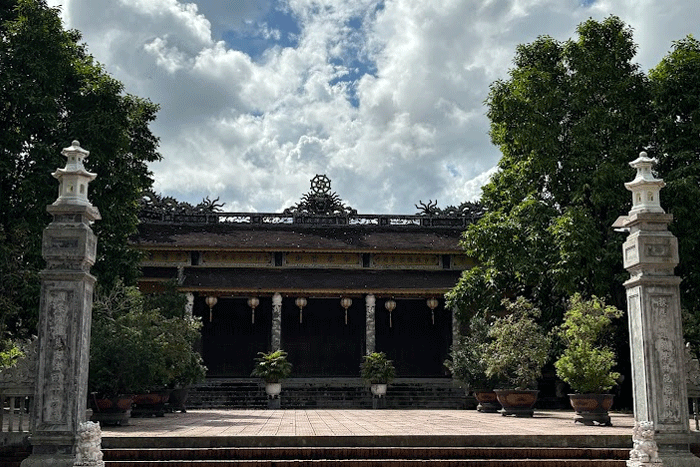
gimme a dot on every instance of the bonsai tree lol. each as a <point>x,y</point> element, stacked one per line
<point>376,368</point>
<point>519,346</point>
<point>466,362</point>
<point>587,362</point>
<point>272,367</point>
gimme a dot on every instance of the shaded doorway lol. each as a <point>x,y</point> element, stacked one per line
<point>322,344</point>
<point>416,345</point>
<point>231,341</point>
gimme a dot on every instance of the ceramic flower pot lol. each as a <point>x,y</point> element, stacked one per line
<point>592,409</point>
<point>273,390</point>
<point>378,389</point>
<point>517,402</point>
<point>112,411</point>
<point>488,403</point>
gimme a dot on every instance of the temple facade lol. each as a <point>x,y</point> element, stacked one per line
<point>319,280</point>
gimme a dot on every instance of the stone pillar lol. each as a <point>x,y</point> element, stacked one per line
<point>276,321</point>
<point>189,305</point>
<point>650,254</point>
<point>370,326</point>
<point>455,325</point>
<point>65,316</point>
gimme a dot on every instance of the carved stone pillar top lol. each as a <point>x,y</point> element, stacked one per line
<point>73,177</point>
<point>645,187</point>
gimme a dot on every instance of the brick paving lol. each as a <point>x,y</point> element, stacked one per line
<point>338,422</point>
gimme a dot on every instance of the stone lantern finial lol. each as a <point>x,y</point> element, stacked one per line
<point>73,178</point>
<point>645,188</point>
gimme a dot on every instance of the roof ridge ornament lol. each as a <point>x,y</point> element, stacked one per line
<point>468,209</point>
<point>320,201</point>
<point>153,203</point>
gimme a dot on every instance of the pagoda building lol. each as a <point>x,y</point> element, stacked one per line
<point>319,280</point>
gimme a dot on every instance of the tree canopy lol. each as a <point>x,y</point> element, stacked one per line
<point>51,92</point>
<point>568,120</point>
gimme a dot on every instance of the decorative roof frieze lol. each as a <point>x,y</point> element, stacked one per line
<point>470,210</point>
<point>154,206</point>
<point>320,207</point>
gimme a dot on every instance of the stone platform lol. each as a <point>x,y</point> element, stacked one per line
<point>260,427</point>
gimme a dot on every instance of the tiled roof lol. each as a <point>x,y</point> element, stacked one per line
<point>297,238</point>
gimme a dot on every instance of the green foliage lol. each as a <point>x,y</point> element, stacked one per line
<point>466,362</point>
<point>587,362</point>
<point>52,91</point>
<point>10,353</point>
<point>568,120</point>
<point>137,348</point>
<point>519,347</point>
<point>376,368</point>
<point>676,88</point>
<point>272,366</point>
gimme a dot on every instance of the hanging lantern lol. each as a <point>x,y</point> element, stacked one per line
<point>301,303</point>
<point>390,305</point>
<point>211,303</point>
<point>345,302</point>
<point>252,303</point>
<point>432,304</point>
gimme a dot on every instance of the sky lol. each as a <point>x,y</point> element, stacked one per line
<point>385,97</point>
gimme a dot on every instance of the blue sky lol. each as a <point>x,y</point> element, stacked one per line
<point>385,97</point>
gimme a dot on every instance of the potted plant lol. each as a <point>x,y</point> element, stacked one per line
<point>272,367</point>
<point>468,366</point>
<point>378,371</point>
<point>516,355</point>
<point>587,361</point>
<point>190,371</point>
<point>137,349</point>
<point>115,349</point>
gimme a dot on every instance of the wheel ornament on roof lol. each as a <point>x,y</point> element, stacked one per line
<point>320,201</point>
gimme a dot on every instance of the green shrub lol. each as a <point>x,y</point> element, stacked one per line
<point>138,347</point>
<point>587,362</point>
<point>376,368</point>
<point>272,366</point>
<point>519,348</point>
<point>466,362</point>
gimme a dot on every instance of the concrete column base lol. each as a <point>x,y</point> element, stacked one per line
<point>49,460</point>
<point>677,457</point>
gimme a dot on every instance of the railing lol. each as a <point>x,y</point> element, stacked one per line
<point>16,414</point>
<point>247,218</point>
<point>17,397</point>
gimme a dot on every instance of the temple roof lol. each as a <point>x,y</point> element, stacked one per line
<point>294,238</point>
<point>320,221</point>
<point>291,280</point>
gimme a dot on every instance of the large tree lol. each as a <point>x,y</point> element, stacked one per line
<point>51,92</point>
<point>567,121</point>
<point>676,89</point>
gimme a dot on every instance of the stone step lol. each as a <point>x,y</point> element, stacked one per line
<point>381,463</point>
<point>368,457</point>
<point>327,393</point>
<point>347,453</point>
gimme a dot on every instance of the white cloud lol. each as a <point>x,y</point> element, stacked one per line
<point>385,98</point>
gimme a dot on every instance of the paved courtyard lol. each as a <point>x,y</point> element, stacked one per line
<point>333,422</point>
